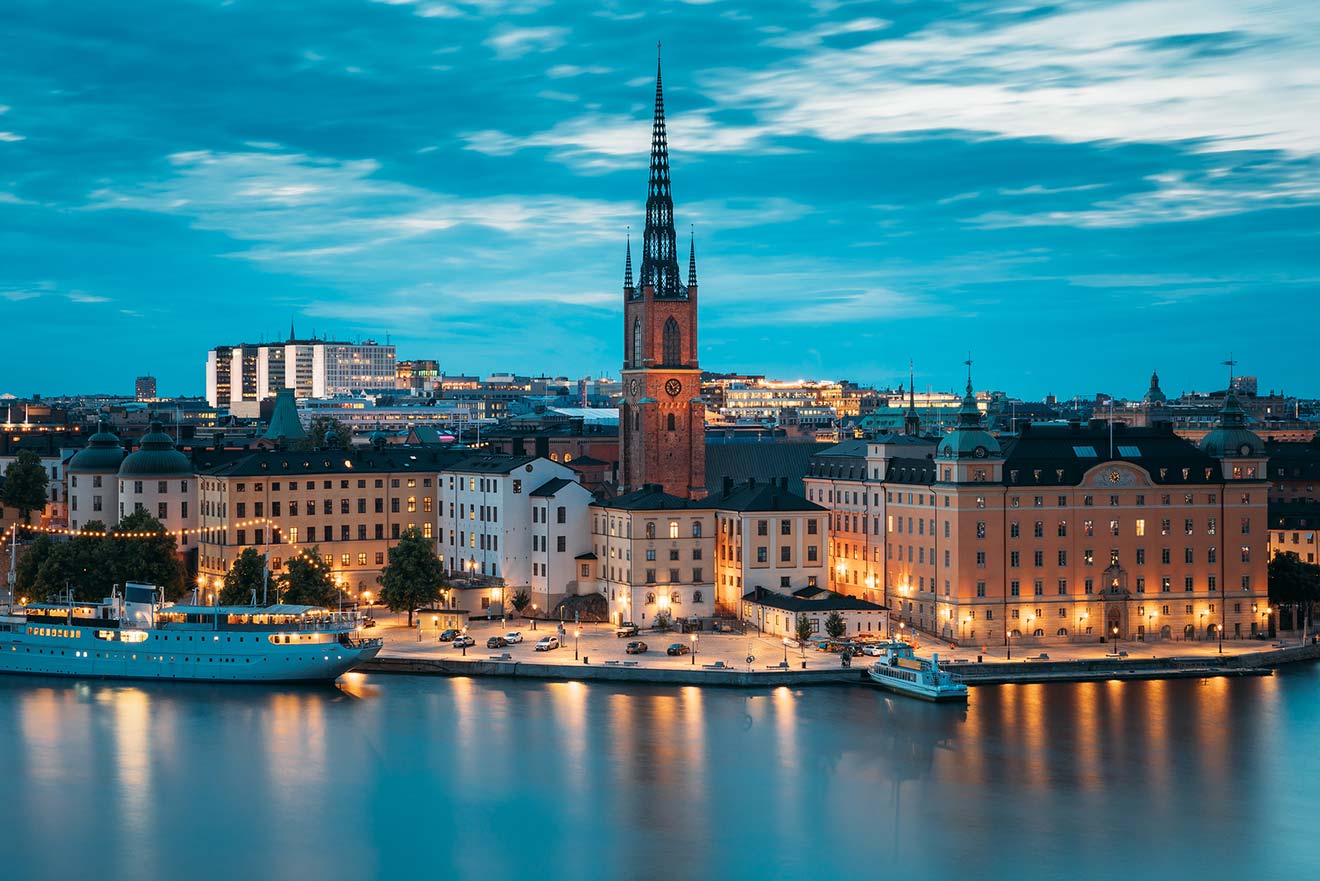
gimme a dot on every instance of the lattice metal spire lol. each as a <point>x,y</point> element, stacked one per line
<point>692,260</point>
<point>659,250</point>
<point>627,263</point>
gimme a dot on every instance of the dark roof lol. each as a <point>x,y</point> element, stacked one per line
<point>587,556</point>
<point>905,470</point>
<point>760,496</point>
<point>491,464</point>
<point>845,461</point>
<point>272,463</point>
<point>1293,461</point>
<point>763,460</point>
<point>585,461</point>
<point>652,497</point>
<point>156,456</point>
<point>1047,455</point>
<point>830,602</point>
<point>551,486</point>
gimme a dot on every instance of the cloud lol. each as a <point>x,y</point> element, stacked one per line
<point>11,137</point>
<point>513,42</point>
<point>80,297</point>
<point>563,71</point>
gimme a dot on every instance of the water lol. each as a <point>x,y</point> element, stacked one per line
<point>416,777</point>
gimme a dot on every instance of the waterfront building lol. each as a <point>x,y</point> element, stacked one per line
<point>92,473</point>
<point>159,479</point>
<point>1064,532</point>
<point>491,535</point>
<point>776,614</point>
<point>352,505</point>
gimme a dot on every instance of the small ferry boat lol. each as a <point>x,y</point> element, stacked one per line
<point>138,636</point>
<point>899,669</point>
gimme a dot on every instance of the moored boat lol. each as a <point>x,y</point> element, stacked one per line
<point>137,636</point>
<point>899,669</point>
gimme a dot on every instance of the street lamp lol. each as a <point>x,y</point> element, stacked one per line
<point>1008,641</point>
<point>1114,632</point>
<point>533,616</point>
<point>465,640</point>
<point>577,641</point>
<point>694,650</point>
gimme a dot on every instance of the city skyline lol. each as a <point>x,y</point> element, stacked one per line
<point>986,181</point>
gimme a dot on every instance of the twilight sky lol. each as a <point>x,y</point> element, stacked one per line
<point>1076,192</point>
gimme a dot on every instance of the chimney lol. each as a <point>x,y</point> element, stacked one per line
<point>728,485</point>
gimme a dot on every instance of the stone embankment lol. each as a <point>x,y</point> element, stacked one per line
<point>999,673</point>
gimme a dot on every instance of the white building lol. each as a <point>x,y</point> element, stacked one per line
<point>240,377</point>
<point>486,526</point>
<point>92,473</point>
<point>159,479</point>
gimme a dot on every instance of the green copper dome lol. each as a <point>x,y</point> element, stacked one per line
<point>1231,438</point>
<point>156,456</point>
<point>969,440</point>
<point>102,453</point>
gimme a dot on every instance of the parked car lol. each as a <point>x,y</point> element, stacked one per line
<point>873,650</point>
<point>547,643</point>
<point>636,647</point>
<point>496,642</point>
<point>463,642</point>
<point>626,629</point>
<point>678,648</point>
<point>368,622</point>
<point>448,635</point>
<point>513,636</point>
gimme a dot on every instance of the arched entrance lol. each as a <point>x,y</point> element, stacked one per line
<point>1189,632</point>
<point>1166,632</point>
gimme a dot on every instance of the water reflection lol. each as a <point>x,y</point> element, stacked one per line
<point>405,776</point>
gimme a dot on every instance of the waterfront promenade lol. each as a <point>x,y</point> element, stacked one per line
<point>722,658</point>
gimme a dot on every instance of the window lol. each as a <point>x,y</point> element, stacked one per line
<point>762,527</point>
<point>762,555</point>
<point>785,527</point>
<point>650,530</point>
<point>669,422</point>
<point>560,543</point>
<point>1014,530</point>
<point>696,533</point>
<point>427,504</point>
<point>1014,588</point>
<point>671,342</point>
<point>980,529</point>
<point>785,554</point>
<point>673,529</point>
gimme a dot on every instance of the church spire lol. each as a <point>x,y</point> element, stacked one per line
<point>692,260</point>
<point>911,421</point>
<point>292,335</point>
<point>659,249</point>
<point>627,263</point>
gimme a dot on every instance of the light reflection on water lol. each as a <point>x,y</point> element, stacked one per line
<point>414,776</point>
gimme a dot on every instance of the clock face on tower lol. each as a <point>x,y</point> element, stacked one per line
<point>634,387</point>
<point>673,387</point>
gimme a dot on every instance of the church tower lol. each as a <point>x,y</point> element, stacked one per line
<point>662,420</point>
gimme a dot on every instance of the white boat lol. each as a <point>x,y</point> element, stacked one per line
<point>136,636</point>
<point>899,669</point>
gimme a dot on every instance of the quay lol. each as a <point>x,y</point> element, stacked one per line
<point>721,660</point>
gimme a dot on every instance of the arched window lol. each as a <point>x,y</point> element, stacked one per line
<point>676,598</point>
<point>650,530</point>
<point>673,343</point>
<point>669,421</point>
<point>696,596</point>
<point>1038,632</point>
<point>1062,631</point>
<point>696,529</point>
<point>637,343</point>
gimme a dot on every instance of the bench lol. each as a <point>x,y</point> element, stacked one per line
<point>504,657</point>
<point>718,665</point>
<point>629,663</point>
<point>782,665</point>
<point>611,663</point>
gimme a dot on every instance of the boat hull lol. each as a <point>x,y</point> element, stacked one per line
<point>312,663</point>
<point>947,694</point>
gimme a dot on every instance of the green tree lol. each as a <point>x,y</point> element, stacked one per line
<point>51,566</point>
<point>803,629</point>
<point>835,626</point>
<point>413,576</point>
<point>307,581</point>
<point>152,558</point>
<point>248,574</point>
<point>521,600</point>
<point>1295,583</point>
<point>26,482</point>
<point>319,428</point>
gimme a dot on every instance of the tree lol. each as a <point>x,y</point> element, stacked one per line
<point>521,600</point>
<point>318,428</point>
<point>248,574</point>
<point>413,576</point>
<point>307,581</point>
<point>803,629</point>
<point>26,482</point>
<point>1294,583</point>
<point>835,626</point>
<point>152,560</point>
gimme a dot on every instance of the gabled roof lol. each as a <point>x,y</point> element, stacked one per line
<point>763,460</point>
<point>491,464</point>
<point>273,463</point>
<point>552,486</point>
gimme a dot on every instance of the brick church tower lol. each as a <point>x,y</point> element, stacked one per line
<point>662,420</point>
